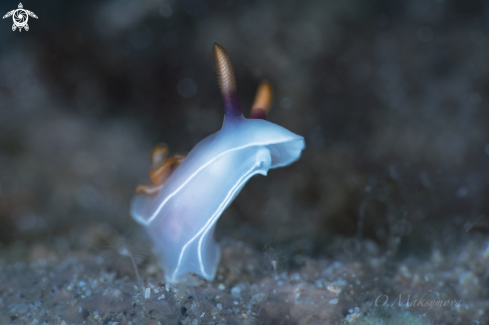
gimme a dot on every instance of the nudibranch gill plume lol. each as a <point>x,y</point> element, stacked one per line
<point>189,193</point>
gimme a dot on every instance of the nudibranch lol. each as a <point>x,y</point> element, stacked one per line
<point>188,195</point>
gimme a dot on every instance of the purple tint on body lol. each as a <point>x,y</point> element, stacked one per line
<point>258,113</point>
<point>231,104</point>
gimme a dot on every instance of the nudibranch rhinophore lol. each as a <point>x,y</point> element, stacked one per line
<point>180,209</point>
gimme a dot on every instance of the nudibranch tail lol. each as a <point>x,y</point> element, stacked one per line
<point>226,80</point>
<point>263,101</point>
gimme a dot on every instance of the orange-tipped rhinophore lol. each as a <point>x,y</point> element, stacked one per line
<point>263,100</point>
<point>224,70</point>
<point>226,80</point>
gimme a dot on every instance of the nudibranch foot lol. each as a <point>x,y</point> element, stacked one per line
<point>189,195</point>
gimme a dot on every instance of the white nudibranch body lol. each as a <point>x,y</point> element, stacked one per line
<point>181,217</point>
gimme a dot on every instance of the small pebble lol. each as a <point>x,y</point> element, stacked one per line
<point>236,291</point>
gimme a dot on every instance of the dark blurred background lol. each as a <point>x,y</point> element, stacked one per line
<point>391,97</point>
